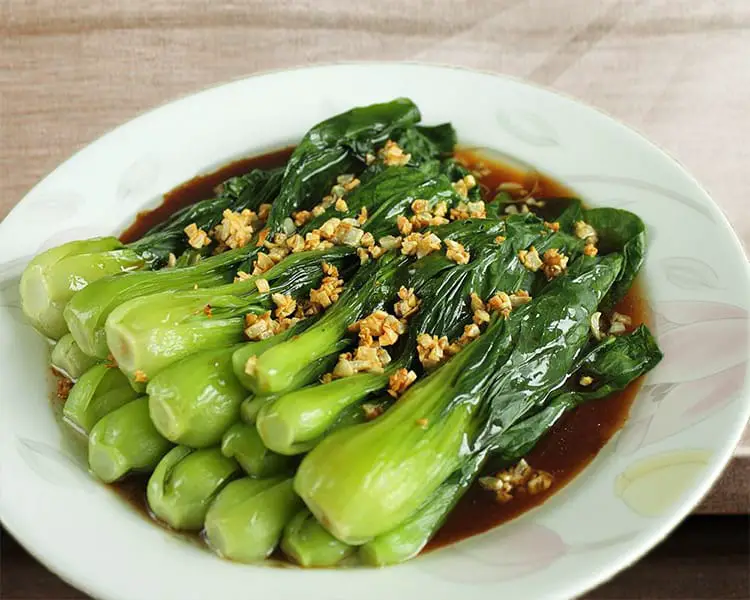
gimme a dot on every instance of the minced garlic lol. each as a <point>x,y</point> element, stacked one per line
<point>399,381</point>
<point>420,244</point>
<point>197,238</point>
<point>456,252</point>
<point>236,228</point>
<point>520,478</point>
<point>330,288</point>
<point>530,259</point>
<point>393,155</point>
<point>555,263</point>
<point>407,304</point>
<point>584,231</point>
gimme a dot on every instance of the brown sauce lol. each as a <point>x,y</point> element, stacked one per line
<point>564,451</point>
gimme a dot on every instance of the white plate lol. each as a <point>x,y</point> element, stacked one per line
<point>685,423</point>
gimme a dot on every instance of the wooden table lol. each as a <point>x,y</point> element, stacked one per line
<point>677,70</point>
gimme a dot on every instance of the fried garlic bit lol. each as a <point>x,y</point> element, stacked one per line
<point>432,350</point>
<point>241,276</point>
<point>381,325</point>
<point>420,244</point>
<point>262,263</point>
<point>521,478</point>
<point>469,210</point>
<point>456,252</point>
<point>197,238</point>
<point>344,183</point>
<point>530,259</point>
<point>393,155</point>
<point>500,302</point>
<point>261,327</point>
<point>236,228</point>
<point>399,381</point>
<point>407,303</point>
<point>366,359</point>
<point>423,216</point>
<point>285,305</point>
<point>586,232</point>
<point>329,291</point>
<point>377,331</point>
<point>463,185</point>
<point>555,263</point>
<point>618,324</point>
<point>301,217</point>
<point>372,411</point>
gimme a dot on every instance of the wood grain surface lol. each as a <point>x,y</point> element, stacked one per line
<point>677,70</point>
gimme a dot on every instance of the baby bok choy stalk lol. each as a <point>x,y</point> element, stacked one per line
<point>295,421</point>
<point>247,518</point>
<point>333,147</point>
<point>68,358</point>
<point>360,482</point>
<point>184,484</point>
<point>613,365</point>
<point>145,335</point>
<point>125,440</point>
<point>276,370</point>
<point>54,276</point>
<point>308,543</point>
<point>99,391</point>
<point>86,313</point>
<point>242,443</point>
<point>196,399</point>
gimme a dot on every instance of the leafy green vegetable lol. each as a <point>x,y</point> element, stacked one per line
<point>361,481</point>
<point>149,333</point>
<point>86,313</point>
<point>51,278</point>
<point>335,146</point>
<point>247,191</point>
<point>614,364</point>
<point>277,368</point>
<point>195,400</point>
<point>619,231</point>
